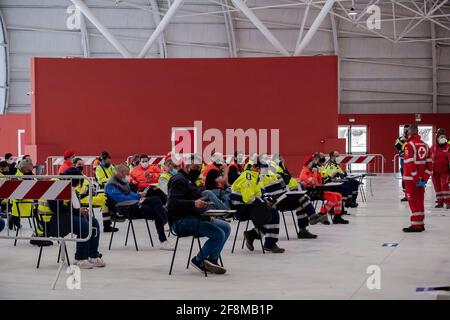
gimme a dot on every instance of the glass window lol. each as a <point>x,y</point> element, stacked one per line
<point>343,134</point>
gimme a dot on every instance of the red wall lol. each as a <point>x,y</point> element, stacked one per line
<point>9,124</point>
<point>383,130</point>
<point>128,106</point>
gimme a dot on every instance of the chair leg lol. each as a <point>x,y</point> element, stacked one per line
<point>39,258</point>
<point>17,234</point>
<point>128,232</point>
<point>285,225</point>
<point>246,229</point>
<point>190,252</point>
<point>149,233</point>
<point>201,253</point>
<point>134,235</point>
<point>295,222</point>
<point>173,256</point>
<point>59,253</point>
<point>67,256</point>
<point>235,236</point>
<point>262,244</point>
<point>29,222</point>
<point>112,235</point>
<point>221,261</point>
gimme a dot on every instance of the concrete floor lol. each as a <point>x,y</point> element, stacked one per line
<point>331,267</point>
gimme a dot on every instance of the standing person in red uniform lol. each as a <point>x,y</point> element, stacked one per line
<point>441,169</point>
<point>417,171</point>
<point>68,158</point>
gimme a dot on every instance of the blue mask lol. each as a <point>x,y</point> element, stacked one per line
<point>173,172</point>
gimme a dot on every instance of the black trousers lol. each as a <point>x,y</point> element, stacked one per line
<point>152,209</point>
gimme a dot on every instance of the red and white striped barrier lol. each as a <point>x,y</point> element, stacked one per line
<point>349,159</point>
<point>32,189</point>
<point>54,162</point>
<point>152,159</point>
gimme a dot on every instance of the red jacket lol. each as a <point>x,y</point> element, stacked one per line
<point>418,160</point>
<point>144,177</point>
<point>66,165</point>
<point>441,158</point>
<point>309,178</point>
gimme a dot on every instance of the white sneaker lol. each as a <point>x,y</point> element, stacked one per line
<point>97,262</point>
<point>166,245</point>
<point>83,264</point>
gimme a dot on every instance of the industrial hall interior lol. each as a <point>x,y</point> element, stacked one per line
<point>223,150</point>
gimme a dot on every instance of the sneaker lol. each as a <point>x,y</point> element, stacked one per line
<point>97,262</point>
<point>109,228</point>
<point>274,249</point>
<point>305,234</point>
<point>326,222</point>
<point>213,268</point>
<point>439,205</point>
<point>249,238</point>
<point>316,218</point>
<point>337,219</point>
<point>413,229</point>
<point>404,199</point>
<point>166,245</point>
<point>84,264</point>
<point>197,264</point>
<point>41,243</point>
<point>353,205</point>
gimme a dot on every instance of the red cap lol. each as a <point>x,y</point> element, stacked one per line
<point>68,154</point>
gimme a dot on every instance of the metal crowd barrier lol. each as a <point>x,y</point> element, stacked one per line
<point>32,189</point>
<point>52,164</point>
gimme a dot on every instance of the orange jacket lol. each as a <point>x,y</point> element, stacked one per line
<point>309,178</point>
<point>144,177</point>
<point>66,165</point>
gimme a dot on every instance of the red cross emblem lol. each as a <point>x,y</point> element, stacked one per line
<point>422,152</point>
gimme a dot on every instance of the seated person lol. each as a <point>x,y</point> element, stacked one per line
<point>51,225</point>
<point>245,194</point>
<point>215,179</point>
<point>234,168</point>
<point>273,185</point>
<point>144,174</point>
<point>119,190</point>
<point>104,169</point>
<point>278,165</point>
<point>169,170</point>
<point>134,161</point>
<point>185,204</point>
<point>334,171</point>
<point>98,200</point>
<point>69,156</point>
<point>311,178</point>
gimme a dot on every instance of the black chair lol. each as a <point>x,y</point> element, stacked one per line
<point>194,236</point>
<point>18,226</point>
<point>239,220</point>
<point>125,210</point>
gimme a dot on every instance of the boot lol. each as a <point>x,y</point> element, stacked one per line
<point>250,236</point>
<point>404,199</point>
<point>413,229</point>
<point>274,248</point>
<point>316,218</point>
<point>109,228</point>
<point>305,234</point>
<point>337,219</point>
<point>41,243</point>
<point>439,205</point>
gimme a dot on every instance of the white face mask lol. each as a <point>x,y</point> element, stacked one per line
<point>126,179</point>
<point>442,140</point>
<point>144,165</point>
<point>10,161</point>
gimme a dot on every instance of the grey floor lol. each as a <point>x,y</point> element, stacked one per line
<point>332,267</point>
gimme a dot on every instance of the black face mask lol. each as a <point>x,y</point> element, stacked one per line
<point>322,160</point>
<point>193,174</point>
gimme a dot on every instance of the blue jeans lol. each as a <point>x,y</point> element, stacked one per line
<point>88,249</point>
<point>217,231</point>
<point>224,196</point>
<point>2,224</point>
<point>217,204</point>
